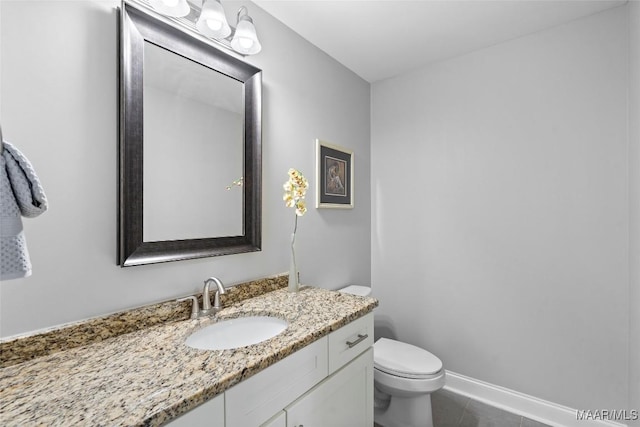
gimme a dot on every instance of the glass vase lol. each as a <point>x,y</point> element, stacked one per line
<point>294,286</point>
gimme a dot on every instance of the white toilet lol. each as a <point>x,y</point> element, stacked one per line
<point>404,377</point>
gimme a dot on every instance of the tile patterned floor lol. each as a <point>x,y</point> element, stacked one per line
<point>454,410</point>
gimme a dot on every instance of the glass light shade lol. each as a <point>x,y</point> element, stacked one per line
<point>212,21</point>
<point>245,39</point>
<point>176,8</point>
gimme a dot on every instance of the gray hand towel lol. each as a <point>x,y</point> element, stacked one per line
<point>20,195</point>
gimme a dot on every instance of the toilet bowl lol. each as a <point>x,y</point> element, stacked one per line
<point>404,377</point>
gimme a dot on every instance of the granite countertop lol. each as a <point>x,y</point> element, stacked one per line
<point>150,376</point>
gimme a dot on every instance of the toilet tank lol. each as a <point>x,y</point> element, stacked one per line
<point>363,291</point>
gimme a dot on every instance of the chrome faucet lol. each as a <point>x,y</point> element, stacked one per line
<point>206,299</point>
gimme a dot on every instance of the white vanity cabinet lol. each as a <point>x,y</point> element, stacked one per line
<point>343,399</point>
<point>327,383</point>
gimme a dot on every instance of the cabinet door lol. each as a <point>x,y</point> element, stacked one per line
<point>345,399</point>
<point>209,414</point>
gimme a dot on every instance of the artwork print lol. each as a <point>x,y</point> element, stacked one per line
<point>334,176</point>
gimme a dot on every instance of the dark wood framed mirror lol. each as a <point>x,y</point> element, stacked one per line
<point>190,126</point>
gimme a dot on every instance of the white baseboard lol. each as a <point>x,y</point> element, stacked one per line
<point>518,403</point>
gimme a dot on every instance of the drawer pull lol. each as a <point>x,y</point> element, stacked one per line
<point>361,338</point>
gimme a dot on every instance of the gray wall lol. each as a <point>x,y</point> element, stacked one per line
<point>634,206</point>
<point>500,209</point>
<point>58,105</point>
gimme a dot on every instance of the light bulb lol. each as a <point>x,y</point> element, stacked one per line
<point>214,24</point>
<point>245,42</point>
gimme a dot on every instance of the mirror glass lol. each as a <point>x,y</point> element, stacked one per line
<point>193,149</point>
<point>190,128</point>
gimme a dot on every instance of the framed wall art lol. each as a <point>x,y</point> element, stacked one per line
<point>334,166</point>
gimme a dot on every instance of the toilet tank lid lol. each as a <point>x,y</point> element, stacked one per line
<point>404,360</point>
<point>363,291</point>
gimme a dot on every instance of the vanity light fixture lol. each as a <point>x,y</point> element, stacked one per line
<point>211,22</point>
<point>175,8</point>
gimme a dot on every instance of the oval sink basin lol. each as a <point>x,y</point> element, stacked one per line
<point>234,333</point>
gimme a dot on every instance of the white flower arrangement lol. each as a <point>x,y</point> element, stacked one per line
<point>295,189</point>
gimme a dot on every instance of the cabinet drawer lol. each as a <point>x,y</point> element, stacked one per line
<point>348,342</point>
<point>256,399</point>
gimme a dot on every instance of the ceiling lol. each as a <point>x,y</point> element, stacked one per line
<point>378,39</point>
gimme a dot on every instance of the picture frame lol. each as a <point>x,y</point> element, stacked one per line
<point>334,174</point>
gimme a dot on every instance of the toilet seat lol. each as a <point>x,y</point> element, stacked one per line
<point>405,360</point>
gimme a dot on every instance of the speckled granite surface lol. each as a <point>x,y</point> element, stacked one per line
<point>150,376</point>
<point>25,348</point>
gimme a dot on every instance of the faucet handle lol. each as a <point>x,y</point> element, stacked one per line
<point>194,305</point>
